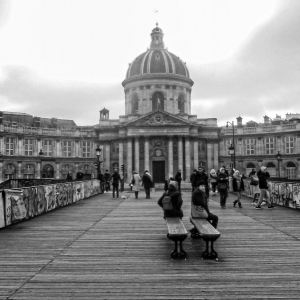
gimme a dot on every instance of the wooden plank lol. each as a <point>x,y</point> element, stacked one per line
<point>205,228</point>
<point>176,227</point>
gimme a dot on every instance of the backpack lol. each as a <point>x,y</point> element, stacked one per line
<point>167,203</point>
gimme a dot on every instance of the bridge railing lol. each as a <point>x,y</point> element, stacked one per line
<point>285,193</point>
<point>27,202</point>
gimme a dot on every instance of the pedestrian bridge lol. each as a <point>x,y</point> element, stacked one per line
<point>104,248</point>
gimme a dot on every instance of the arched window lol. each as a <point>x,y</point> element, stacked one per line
<point>158,101</point>
<point>135,104</point>
<point>181,104</point>
<point>291,170</point>
<point>249,168</point>
<point>48,172</point>
<point>271,168</point>
<point>28,171</point>
<point>9,172</point>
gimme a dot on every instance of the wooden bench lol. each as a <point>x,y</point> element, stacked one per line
<point>177,233</point>
<point>209,235</point>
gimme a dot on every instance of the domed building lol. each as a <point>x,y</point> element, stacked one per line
<point>158,132</point>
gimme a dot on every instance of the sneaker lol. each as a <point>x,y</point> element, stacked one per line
<point>271,206</point>
<point>258,207</point>
<point>254,203</point>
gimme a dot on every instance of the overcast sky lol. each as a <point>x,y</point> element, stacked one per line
<point>67,58</point>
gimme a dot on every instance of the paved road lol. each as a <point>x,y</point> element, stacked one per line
<point>104,248</point>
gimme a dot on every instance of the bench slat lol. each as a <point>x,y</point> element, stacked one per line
<point>205,228</point>
<point>176,227</point>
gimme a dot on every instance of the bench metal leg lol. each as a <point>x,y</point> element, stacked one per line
<point>212,254</point>
<point>181,254</point>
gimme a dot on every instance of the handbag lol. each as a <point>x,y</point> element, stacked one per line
<point>254,180</point>
<point>222,186</point>
<point>133,181</point>
<point>198,212</point>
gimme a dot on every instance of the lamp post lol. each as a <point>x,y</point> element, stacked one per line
<point>278,157</point>
<point>232,146</point>
<point>98,153</point>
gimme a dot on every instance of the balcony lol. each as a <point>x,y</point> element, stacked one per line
<point>288,127</point>
<point>268,128</point>
<point>247,130</point>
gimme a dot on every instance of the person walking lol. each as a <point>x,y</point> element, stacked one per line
<point>238,187</point>
<point>102,182</point>
<point>199,208</point>
<point>115,177</point>
<point>107,176</point>
<point>79,175</point>
<point>255,189</point>
<point>178,179</point>
<point>213,180</point>
<point>263,175</point>
<point>222,182</point>
<point>176,200</point>
<point>135,181</point>
<point>147,183</point>
<point>69,176</point>
<point>192,179</point>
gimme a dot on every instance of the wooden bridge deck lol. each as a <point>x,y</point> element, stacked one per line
<point>105,248</point>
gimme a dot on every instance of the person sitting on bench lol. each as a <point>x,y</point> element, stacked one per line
<point>199,207</point>
<point>176,200</point>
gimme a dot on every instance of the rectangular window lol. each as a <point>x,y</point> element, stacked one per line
<point>28,145</point>
<point>289,144</point>
<point>9,146</point>
<point>48,147</point>
<point>86,149</point>
<point>115,147</point>
<point>250,146</point>
<point>269,145</point>
<point>67,148</point>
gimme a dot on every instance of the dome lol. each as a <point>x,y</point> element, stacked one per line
<point>157,59</point>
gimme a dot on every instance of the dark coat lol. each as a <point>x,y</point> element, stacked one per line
<point>147,182</point>
<point>69,177</point>
<point>235,187</point>
<point>201,178</point>
<point>176,200</point>
<point>192,179</point>
<point>199,198</point>
<point>79,175</point>
<point>262,179</point>
<point>101,177</point>
<point>106,176</point>
<point>178,177</point>
<point>115,179</point>
<point>222,177</point>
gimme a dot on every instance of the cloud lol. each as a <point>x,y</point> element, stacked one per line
<point>26,91</point>
<point>4,11</point>
<point>262,77</point>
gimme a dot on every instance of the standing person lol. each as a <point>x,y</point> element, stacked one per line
<point>199,208</point>
<point>147,183</point>
<point>226,171</point>
<point>135,181</point>
<point>238,187</point>
<point>79,175</point>
<point>102,182</point>
<point>115,177</point>
<point>264,188</point>
<point>178,178</point>
<point>69,176</point>
<point>192,179</point>
<point>213,180</point>
<point>167,181</point>
<point>254,183</point>
<point>201,177</point>
<point>106,177</point>
<point>222,182</point>
<point>176,201</point>
<point>252,173</point>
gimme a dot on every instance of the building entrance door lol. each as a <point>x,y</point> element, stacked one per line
<point>158,168</point>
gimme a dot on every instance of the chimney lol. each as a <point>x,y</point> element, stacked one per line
<point>239,121</point>
<point>266,119</point>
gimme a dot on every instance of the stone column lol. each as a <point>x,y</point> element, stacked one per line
<point>137,154</point>
<point>76,148</point>
<point>187,159</point>
<point>216,156</point>
<point>121,150</point>
<point>129,158</point>
<point>102,165</point>
<point>39,146</point>
<point>170,156</point>
<point>1,171</point>
<point>19,169</point>
<point>57,170</point>
<point>38,170</point>
<point>147,153</point>
<point>107,156</point>
<point>180,154</point>
<point>196,154</point>
<point>20,146</point>
<point>209,156</point>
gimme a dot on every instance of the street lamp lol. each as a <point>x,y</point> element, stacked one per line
<point>278,157</point>
<point>232,146</point>
<point>98,153</point>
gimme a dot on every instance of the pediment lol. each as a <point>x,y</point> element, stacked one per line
<point>159,118</point>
